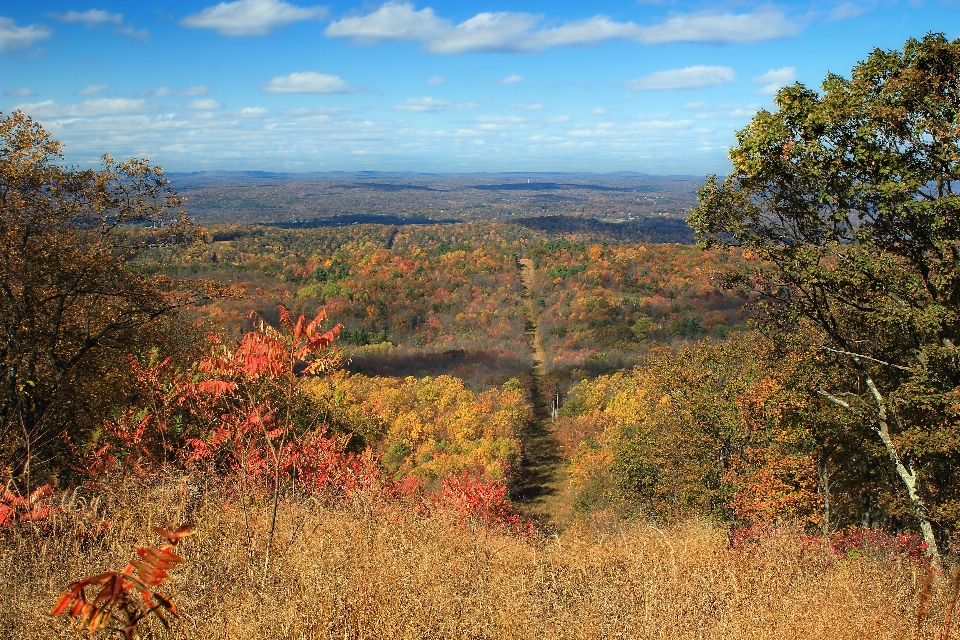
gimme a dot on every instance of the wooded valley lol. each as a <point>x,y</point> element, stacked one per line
<point>566,424</point>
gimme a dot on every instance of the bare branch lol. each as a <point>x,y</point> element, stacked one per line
<point>863,357</point>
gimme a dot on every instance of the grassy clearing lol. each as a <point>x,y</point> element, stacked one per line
<point>371,572</point>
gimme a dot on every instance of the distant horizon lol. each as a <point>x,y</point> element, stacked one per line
<point>429,86</point>
<point>436,173</point>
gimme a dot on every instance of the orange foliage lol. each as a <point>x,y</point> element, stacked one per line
<point>115,601</point>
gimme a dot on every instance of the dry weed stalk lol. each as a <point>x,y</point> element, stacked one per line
<point>945,633</point>
<point>923,601</point>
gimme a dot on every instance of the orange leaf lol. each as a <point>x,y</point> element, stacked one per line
<point>167,604</point>
<point>62,604</point>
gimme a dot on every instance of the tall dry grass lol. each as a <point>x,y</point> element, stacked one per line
<point>365,573</point>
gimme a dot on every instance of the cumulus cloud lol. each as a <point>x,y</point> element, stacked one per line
<point>14,37</point>
<point>435,80</point>
<point>86,109</point>
<point>251,17</point>
<point>696,77</point>
<point>507,31</point>
<point>392,21</point>
<point>307,82</point>
<point>92,89</point>
<point>23,92</point>
<point>514,79</point>
<point>253,112</point>
<point>431,105</point>
<point>207,104</point>
<point>775,79</point>
<point>165,92</point>
<point>597,112</point>
<point>89,18</point>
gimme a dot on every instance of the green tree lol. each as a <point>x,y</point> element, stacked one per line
<point>848,198</point>
<point>72,302</point>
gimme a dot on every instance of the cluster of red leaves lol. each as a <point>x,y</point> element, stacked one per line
<point>858,539</point>
<point>482,501</point>
<point>142,439</point>
<point>850,541</point>
<point>36,507</point>
<point>321,467</point>
<point>247,395</point>
<point>116,600</point>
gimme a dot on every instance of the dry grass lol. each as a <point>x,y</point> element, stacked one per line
<point>351,574</point>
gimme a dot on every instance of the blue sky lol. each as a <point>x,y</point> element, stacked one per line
<point>652,86</point>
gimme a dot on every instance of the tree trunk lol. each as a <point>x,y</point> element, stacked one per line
<point>907,475</point>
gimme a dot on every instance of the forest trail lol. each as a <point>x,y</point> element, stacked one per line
<point>539,488</point>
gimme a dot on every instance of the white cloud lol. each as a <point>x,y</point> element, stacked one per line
<point>14,37</point>
<point>687,78</point>
<point>504,123</point>
<point>97,17</point>
<point>23,92</point>
<point>660,125</point>
<point>251,17</point>
<point>206,104</point>
<point>602,130</point>
<point>90,18</point>
<point>514,79</point>
<point>302,112</point>
<point>846,10</point>
<point>86,109</point>
<point>696,105</point>
<point>506,31</point>
<point>558,119</point>
<point>392,21</point>
<point>165,92</point>
<point>431,105</point>
<point>501,119</point>
<point>253,112</point>
<point>528,106</point>
<point>92,89</point>
<point>435,80</point>
<point>307,82</point>
<point>775,79</point>
<point>762,24</point>
<point>597,112</point>
<point>783,75</point>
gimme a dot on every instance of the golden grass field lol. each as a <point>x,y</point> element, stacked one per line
<point>365,572</point>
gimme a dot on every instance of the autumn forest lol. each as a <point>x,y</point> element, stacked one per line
<point>571,406</point>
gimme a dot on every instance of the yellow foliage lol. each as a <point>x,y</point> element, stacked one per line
<point>709,428</point>
<point>433,426</point>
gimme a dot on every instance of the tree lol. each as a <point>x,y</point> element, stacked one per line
<point>72,302</point>
<point>848,199</point>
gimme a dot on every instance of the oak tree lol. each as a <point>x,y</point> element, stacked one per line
<point>848,198</point>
